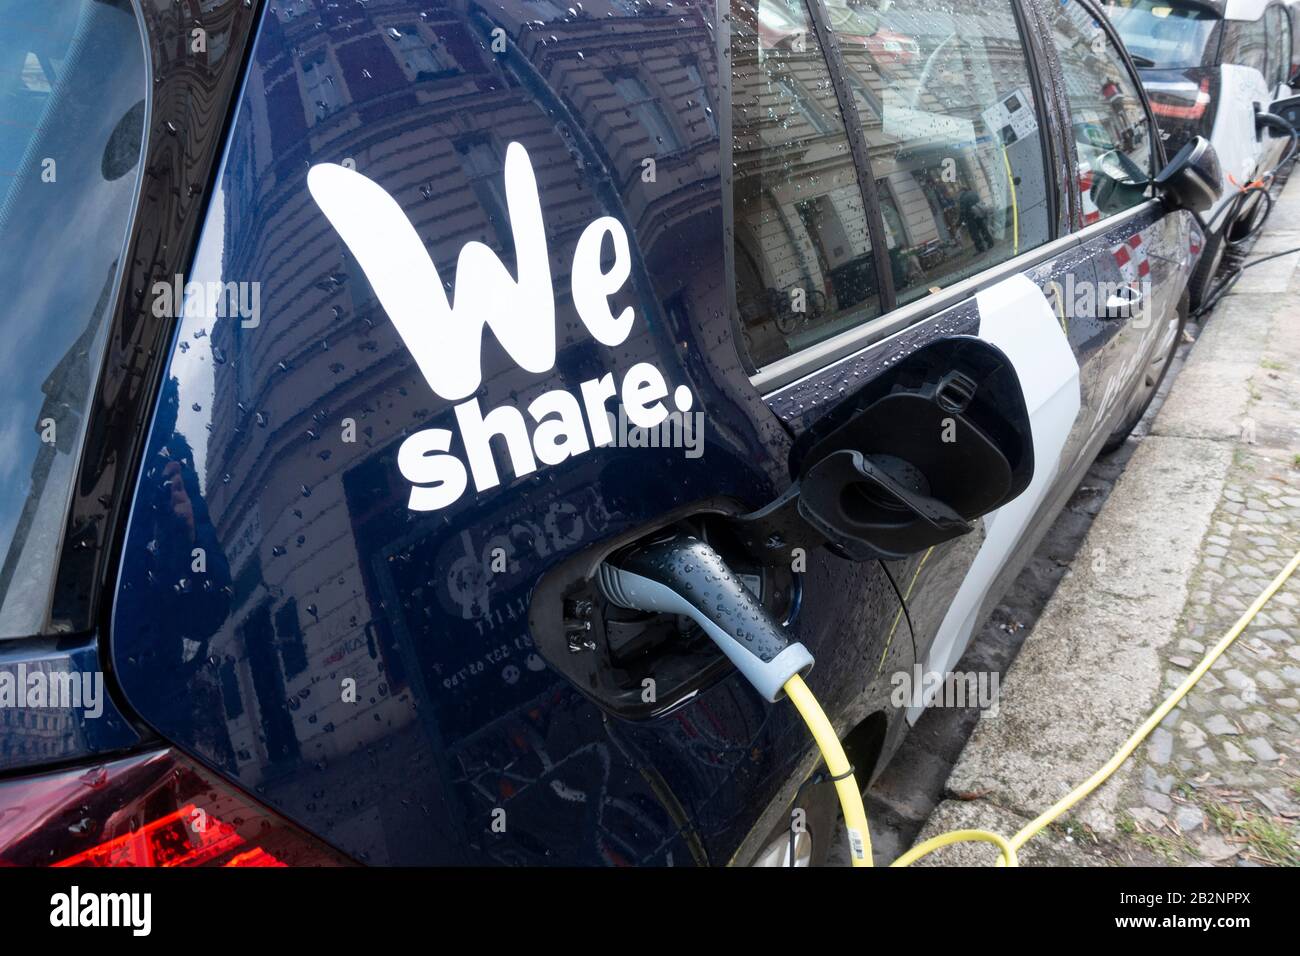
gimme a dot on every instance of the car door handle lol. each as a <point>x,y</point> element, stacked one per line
<point>1122,305</point>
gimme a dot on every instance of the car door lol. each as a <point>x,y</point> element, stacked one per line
<point>1134,259</point>
<point>1117,298</point>
<point>965,147</point>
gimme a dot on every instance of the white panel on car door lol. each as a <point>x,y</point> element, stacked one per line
<point>1016,317</point>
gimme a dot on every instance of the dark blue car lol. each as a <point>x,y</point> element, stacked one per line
<point>355,347</point>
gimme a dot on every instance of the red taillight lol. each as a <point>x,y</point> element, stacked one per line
<point>1168,106</point>
<point>157,809</point>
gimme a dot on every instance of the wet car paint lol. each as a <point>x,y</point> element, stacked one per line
<point>462,744</point>
<point>314,570</point>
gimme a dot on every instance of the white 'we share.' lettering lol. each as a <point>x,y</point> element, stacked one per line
<point>445,337</point>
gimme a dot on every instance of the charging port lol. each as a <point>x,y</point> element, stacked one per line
<point>635,664</point>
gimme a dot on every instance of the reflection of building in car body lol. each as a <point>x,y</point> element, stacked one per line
<point>411,74</point>
<point>31,733</point>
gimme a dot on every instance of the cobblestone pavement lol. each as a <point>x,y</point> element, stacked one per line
<point>1219,782</point>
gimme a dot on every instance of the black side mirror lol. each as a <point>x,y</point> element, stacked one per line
<point>1193,178</point>
<point>1288,109</point>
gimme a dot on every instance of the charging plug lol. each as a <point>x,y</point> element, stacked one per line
<point>680,574</point>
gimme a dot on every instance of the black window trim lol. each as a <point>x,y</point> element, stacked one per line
<point>852,125</point>
<point>727,178</point>
<point>1050,115</point>
<point>1064,156</point>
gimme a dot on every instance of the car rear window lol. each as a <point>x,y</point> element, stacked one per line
<point>1166,36</point>
<point>73,82</point>
<point>1245,43</point>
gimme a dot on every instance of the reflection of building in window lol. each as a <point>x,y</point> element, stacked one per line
<point>1108,115</point>
<point>648,112</point>
<point>792,254</point>
<point>949,121</point>
<point>909,216</point>
<point>870,110</point>
<point>800,223</point>
<point>420,59</point>
<point>801,102</point>
<point>848,268</point>
<point>322,86</point>
<point>943,206</point>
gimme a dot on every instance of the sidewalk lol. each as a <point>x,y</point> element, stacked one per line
<point>1205,514</point>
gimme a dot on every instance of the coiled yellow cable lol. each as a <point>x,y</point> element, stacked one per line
<point>855,816</point>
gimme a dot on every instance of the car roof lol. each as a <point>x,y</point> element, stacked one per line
<point>1242,9</point>
<point>1235,9</point>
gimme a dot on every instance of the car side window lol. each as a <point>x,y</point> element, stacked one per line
<point>804,266</point>
<point>1287,41</point>
<point>1279,47</point>
<point>1112,130</point>
<point>74,83</point>
<point>948,111</point>
<point>1246,44</point>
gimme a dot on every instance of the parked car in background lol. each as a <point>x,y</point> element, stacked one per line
<point>1210,67</point>
<point>346,345</point>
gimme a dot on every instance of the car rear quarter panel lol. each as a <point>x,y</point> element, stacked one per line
<point>366,669</point>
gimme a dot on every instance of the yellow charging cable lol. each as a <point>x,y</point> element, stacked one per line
<point>855,817</point>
